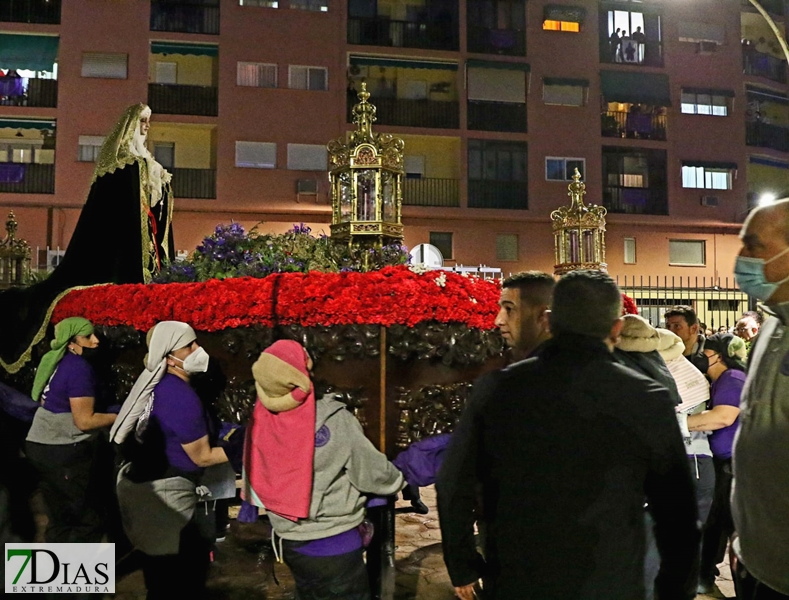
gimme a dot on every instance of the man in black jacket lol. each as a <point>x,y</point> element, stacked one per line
<point>566,445</point>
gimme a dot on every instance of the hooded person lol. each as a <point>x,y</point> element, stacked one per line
<point>308,463</point>
<point>163,432</point>
<point>123,235</point>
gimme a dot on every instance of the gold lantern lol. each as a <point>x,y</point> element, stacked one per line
<point>14,256</point>
<point>366,181</point>
<point>578,232</point>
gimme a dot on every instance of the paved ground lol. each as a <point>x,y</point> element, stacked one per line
<point>243,565</point>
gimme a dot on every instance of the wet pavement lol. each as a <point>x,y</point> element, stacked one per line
<point>243,565</point>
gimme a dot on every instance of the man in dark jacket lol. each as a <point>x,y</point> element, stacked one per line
<point>566,445</point>
<point>682,320</point>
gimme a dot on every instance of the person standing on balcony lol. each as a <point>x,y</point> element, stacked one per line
<point>614,41</point>
<point>123,235</point>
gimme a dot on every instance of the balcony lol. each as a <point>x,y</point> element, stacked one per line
<point>635,201</point>
<point>649,53</point>
<point>413,113</point>
<point>505,42</point>
<point>382,31</point>
<point>194,183</point>
<point>27,178</point>
<point>498,194</point>
<point>640,126</point>
<point>763,65</point>
<point>496,116</point>
<point>764,135</point>
<point>185,17</point>
<point>174,99</point>
<point>41,93</point>
<point>431,192</point>
<point>30,11</point>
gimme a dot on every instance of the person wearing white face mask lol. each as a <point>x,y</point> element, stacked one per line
<point>760,500</point>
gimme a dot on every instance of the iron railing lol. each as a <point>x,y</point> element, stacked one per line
<point>382,31</point>
<point>763,65</point>
<point>173,99</point>
<point>635,201</point>
<point>765,135</point>
<point>496,116</point>
<point>30,11</point>
<point>184,16</point>
<point>431,192</point>
<point>642,126</point>
<point>38,93</point>
<point>506,42</point>
<point>412,113</point>
<point>717,301</point>
<point>27,178</point>
<point>194,183</point>
<point>484,193</point>
<point>652,53</point>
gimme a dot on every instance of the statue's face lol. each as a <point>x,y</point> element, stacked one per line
<point>145,125</point>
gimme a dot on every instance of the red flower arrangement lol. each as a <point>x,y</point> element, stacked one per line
<point>628,305</point>
<point>391,296</point>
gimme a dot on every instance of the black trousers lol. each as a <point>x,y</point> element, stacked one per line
<point>719,526</point>
<point>342,577</point>
<point>69,484</point>
<point>750,588</point>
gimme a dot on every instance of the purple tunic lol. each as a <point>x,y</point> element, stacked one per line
<point>179,414</point>
<point>73,378</point>
<point>726,391</point>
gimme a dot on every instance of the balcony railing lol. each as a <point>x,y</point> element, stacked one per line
<point>38,92</point>
<point>184,16</point>
<point>27,178</point>
<point>498,194</point>
<point>412,113</point>
<point>496,116</point>
<point>30,11</point>
<point>635,201</point>
<point>641,126</point>
<point>431,192</point>
<point>767,136</point>
<point>507,42</point>
<point>194,183</point>
<point>649,53</point>
<point>382,31</point>
<point>172,99</point>
<point>763,65</point>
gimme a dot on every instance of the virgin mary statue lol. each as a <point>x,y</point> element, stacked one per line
<point>123,235</point>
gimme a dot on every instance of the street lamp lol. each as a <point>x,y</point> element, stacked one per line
<point>766,199</point>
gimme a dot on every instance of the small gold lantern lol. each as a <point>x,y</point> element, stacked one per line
<point>14,257</point>
<point>578,232</point>
<point>366,179</point>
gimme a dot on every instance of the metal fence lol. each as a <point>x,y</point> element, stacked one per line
<point>429,191</point>
<point>173,99</point>
<point>30,11</point>
<point>383,31</point>
<point>507,42</point>
<point>496,116</point>
<point>643,126</point>
<point>194,183</point>
<point>185,16</point>
<point>403,112</point>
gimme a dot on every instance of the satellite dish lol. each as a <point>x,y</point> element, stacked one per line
<point>428,255</point>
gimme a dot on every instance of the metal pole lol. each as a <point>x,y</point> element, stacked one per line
<point>773,26</point>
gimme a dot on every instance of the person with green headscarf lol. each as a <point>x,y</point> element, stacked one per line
<point>61,444</point>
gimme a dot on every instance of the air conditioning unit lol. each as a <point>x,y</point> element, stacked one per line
<point>709,201</point>
<point>706,47</point>
<point>307,186</point>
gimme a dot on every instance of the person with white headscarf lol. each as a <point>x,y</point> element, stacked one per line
<point>163,433</point>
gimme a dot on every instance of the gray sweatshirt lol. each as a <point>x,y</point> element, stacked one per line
<point>345,466</point>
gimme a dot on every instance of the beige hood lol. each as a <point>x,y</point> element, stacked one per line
<point>639,336</point>
<point>275,379</point>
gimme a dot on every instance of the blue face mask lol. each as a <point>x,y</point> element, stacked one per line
<point>749,274</point>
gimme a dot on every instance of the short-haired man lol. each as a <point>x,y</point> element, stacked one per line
<point>760,501</point>
<point>565,445</point>
<point>748,327</point>
<point>523,314</point>
<point>682,320</point>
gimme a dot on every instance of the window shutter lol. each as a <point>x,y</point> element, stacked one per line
<point>307,157</point>
<point>256,155</point>
<point>103,65</point>
<point>496,85</point>
<point>507,246</point>
<point>686,252</point>
<point>256,74</point>
<point>563,95</point>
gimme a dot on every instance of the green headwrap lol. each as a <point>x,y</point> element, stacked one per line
<point>64,332</point>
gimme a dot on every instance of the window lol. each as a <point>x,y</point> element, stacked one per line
<point>507,246</point>
<point>254,74</point>
<point>630,251</point>
<point>635,180</point>
<point>708,103</point>
<point>443,241</point>
<point>164,153</point>
<point>562,94</point>
<point>89,146</point>
<point>497,161</point>
<point>106,66</point>
<point>631,37</point>
<point>307,157</point>
<point>308,78</point>
<point>562,17</point>
<point>549,25</point>
<point>687,252</point>
<point>259,3</point>
<point>167,72</point>
<point>256,155</point>
<point>562,169</point>
<point>414,166</point>
<point>315,5</point>
<point>707,178</point>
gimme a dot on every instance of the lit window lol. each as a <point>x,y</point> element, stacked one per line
<point>254,74</point>
<point>630,251</point>
<point>89,146</point>
<point>259,3</point>
<point>707,178</point>
<point>716,105</point>
<point>549,25</point>
<point>313,5</point>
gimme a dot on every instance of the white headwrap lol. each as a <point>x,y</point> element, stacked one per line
<point>163,338</point>
<point>157,174</point>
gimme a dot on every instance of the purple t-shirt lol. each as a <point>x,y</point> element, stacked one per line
<point>73,378</point>
<point>179,414</point>
<point>726,391</point>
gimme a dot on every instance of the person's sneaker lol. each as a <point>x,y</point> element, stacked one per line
<point>419,507</point>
